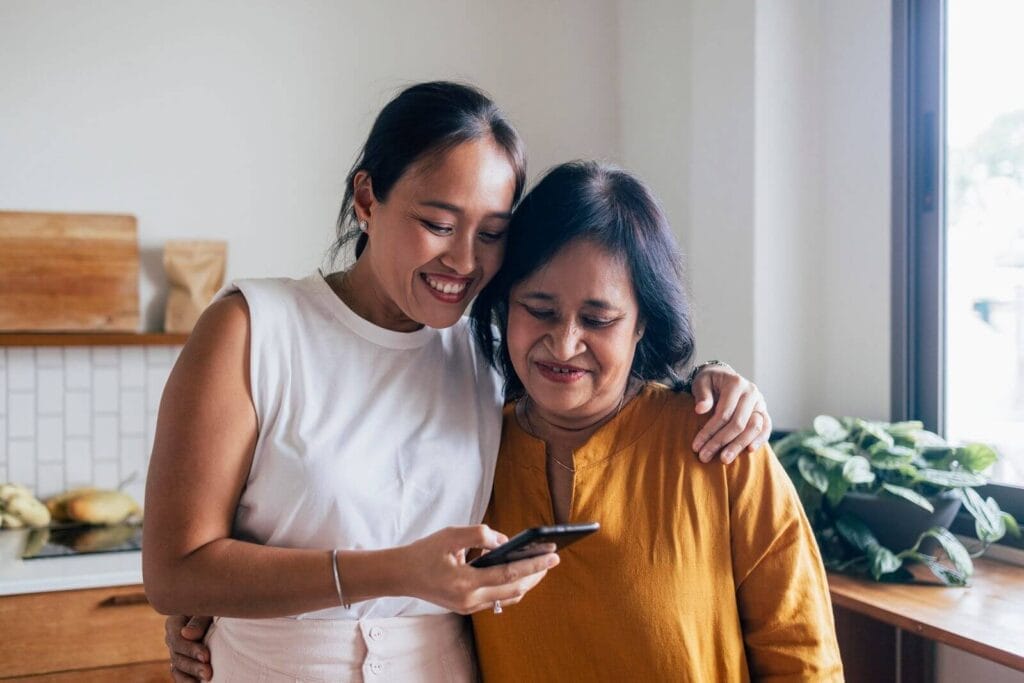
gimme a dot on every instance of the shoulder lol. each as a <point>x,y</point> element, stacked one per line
<point>672,411</point>
<point>220,335</point>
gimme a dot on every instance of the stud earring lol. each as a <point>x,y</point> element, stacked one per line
<point>362,226</point>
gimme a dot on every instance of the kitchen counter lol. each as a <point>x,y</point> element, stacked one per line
<point>71,572</point>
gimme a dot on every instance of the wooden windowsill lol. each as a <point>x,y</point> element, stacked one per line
<point>91,339</point>
<point>984,618</point>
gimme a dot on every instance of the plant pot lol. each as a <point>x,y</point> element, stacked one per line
<point>896,522</point>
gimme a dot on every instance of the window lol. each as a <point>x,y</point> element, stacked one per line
<point>958,220</point>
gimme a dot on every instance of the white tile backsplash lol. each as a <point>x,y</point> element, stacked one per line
<point>133,412</point>
<point>50,357</point>
<point>104,355</point>
<point>21,369</point>
<point>21,462</point>
<point>78,413</point>
<point>21,415</point>
<point>77,461</point>
<point>50,390</point>
<point>77,368</point>
<point>50,441</point>
<point>133,367</point>
<point>105,437</point>
<point>77,416</point>
<point>106,389</point>
<point>51,479</point>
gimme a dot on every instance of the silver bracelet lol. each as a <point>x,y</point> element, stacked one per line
<point>697,368</point>
<point>337,579</point>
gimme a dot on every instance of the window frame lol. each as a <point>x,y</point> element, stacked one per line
<point>918,236</point>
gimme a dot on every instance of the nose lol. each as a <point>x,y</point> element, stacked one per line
<point>461,254</point>
<point>565,341</point>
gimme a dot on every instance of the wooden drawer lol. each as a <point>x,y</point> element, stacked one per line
<point>81,629</point>
<point>149,672</point>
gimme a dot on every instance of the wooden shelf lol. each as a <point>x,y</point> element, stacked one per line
<point>984,618</point>
<point>91,339</point>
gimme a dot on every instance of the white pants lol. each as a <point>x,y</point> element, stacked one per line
<point>427,649</point>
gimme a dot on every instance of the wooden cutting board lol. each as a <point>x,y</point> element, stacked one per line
<point>68,272</point>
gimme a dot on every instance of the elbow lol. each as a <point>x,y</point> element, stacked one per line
<point>158,582</point>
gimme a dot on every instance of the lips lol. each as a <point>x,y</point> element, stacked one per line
<point>450,290</point>
<point>560,372</point>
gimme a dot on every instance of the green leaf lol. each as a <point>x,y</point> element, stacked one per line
<point>831,453</point>
<point>870,433</point>
<point>830,429</point>
<point>956,551</point>
<point>907,427</point>
<point>1011,524</point>
<point>949,577</point>
<point>891,457</point>
<point>976,456</point>
<point>813,473</point>
<point>988,520</point>
<point>883,561</point>
<point>856,533</point>
<point>857,470</point>
<point>787,443</point>
<point>837,487</point>
<point>955,479</point>
<point>926,439</point>
<point>938,457</point>
<point>909,494</point>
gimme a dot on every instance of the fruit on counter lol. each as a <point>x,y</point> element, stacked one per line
<point>19,508</point>
<point>93,506</point>
<point>57,505</point>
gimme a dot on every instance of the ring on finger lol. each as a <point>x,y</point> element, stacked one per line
<point>497,607</point>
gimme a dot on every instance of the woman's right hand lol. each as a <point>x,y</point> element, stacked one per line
<point>443,577</point>
<point>189,655</point>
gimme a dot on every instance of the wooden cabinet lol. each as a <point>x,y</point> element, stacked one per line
<point>99,634</point>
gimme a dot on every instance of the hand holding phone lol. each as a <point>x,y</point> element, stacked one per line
<point>535,541</point>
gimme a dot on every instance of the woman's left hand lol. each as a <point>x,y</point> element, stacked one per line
<point>740,418</point>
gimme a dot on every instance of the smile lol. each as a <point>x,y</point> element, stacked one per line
<point>560,373</point>
<point>448,291</point>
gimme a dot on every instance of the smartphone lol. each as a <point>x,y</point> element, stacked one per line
<point>535,541</point>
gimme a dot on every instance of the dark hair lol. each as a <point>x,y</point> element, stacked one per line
<point>585,200</point>
<point>425,119</point>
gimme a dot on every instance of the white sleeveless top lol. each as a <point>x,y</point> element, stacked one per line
<point>368,438</point>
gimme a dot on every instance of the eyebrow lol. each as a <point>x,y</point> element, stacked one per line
<point>445,206</point>
<point>593,303</point>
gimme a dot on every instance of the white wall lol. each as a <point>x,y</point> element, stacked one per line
<point>781,188</point>
<point>239,120</point>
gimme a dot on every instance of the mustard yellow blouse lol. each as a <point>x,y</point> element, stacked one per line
<point>700,572</point>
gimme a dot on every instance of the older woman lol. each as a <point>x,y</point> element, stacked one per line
<point>698,573</point>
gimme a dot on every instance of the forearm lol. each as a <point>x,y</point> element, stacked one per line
<point>232,578</point>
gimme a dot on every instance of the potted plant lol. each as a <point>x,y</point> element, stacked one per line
<point>881,496</point>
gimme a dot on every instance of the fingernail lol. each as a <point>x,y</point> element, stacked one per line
<point>552,561</point>
<point>705,456</point>
<point>201,657</point>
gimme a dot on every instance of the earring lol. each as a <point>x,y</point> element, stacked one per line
<point>362,226</point>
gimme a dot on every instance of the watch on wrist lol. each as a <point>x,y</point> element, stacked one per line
<point>697,370</point>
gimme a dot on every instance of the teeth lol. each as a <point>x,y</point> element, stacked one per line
<point>446,287</point>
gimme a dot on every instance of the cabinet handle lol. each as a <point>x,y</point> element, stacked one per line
<point>126,599</point>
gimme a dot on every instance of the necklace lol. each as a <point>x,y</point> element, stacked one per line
<point>525,402</point>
